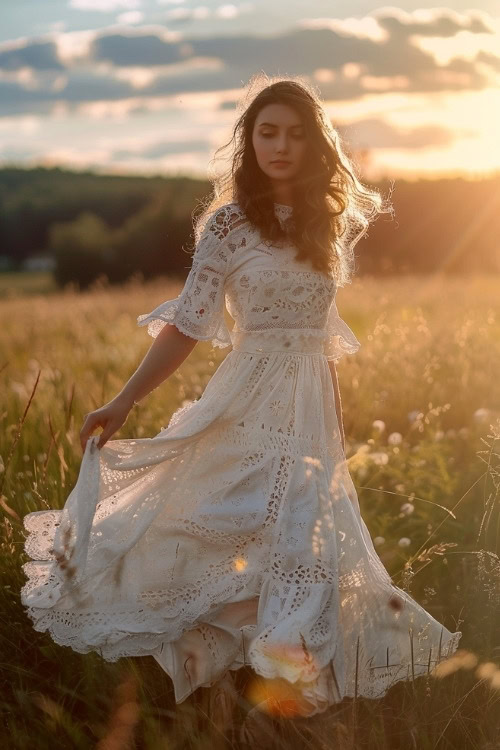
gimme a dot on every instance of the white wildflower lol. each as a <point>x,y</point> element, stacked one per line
<point>379,425</point>
<point>378,541</point>
<point>407,508</point>
<point>481,415</point>
<point>404,541</point>
<point>19,388</point>
<point>363,448</point>
<point>379,457</point>
<point>395,438</point>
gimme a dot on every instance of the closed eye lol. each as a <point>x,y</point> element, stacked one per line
<point>270,135</point>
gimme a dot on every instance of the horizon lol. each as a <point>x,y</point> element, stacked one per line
<point>108,172</point>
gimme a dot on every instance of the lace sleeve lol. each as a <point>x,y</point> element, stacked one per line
<point>199,309</point>
<point>340,339</point>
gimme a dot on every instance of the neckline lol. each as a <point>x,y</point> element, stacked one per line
<point>283,212</point>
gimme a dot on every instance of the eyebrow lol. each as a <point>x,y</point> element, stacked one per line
<point>272,125</point>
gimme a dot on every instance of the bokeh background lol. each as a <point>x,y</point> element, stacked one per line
<point>110,112</point>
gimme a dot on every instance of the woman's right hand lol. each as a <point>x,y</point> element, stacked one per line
<point>110,417</point>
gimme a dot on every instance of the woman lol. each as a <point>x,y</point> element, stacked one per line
<point>234,536</point>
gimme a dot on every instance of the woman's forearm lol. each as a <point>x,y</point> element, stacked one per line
<point>338,404</point>
<point>167,352</point>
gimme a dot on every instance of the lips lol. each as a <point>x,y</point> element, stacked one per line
<point>280,161</point>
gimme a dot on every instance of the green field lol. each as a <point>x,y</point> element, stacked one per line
<point>421,408</point>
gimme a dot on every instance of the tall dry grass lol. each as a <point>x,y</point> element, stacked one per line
<point>421,407</point>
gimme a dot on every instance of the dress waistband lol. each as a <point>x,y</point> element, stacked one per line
<point>296,341</point>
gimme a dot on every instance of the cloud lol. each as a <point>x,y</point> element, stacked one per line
<point>136,50</point>
<point>130,17</point>
<point>79,86</point>
<point>492,60</point>
<point>224,12</point>
<point>155,62</point>
<point>440,22</point>
<point>376,133</point>
<point>305,50</point>
<point>36,55</point>
<point>164,148</point>
<point>105,6</point>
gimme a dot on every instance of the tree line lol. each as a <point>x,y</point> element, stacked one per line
<point>116,226</point>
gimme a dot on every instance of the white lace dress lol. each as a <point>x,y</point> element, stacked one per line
<point>234,535</point>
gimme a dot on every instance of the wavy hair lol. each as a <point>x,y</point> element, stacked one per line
<point>332,209</point>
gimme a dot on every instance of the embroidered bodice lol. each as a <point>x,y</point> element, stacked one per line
<point>264,288</point>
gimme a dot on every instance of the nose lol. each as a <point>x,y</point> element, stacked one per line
<point>282,145</point>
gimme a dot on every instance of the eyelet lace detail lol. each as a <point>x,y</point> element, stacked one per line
<point>198,311</point>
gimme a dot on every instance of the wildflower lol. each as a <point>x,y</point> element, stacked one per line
<point>481,415</point>
<point>378,541</point>
<point>379,457</point>
<point>379,425</point>
<point>407,509</point>
<point>404,542</point>
<point>395,438</point>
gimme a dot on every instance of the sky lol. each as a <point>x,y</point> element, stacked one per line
<point>151,86</point>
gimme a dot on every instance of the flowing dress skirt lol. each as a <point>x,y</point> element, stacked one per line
<point>233,537</point>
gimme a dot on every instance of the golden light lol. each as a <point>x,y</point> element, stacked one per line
<point>275,697</point>
<point>461,659</point>
<point>240,564</point>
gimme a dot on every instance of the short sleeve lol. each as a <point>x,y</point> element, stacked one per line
<point>340,339</point>
<point>198,311</point>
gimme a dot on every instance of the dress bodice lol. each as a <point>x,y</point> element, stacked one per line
<point>265,289</point>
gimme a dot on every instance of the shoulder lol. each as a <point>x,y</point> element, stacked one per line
<point>224,231</point>
<point>225,219</point>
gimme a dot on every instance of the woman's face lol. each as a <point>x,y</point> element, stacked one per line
<point>279,134</point>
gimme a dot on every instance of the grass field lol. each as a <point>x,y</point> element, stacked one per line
<point>421,408</point>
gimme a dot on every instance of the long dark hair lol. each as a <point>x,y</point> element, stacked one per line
<point>332,209</point>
